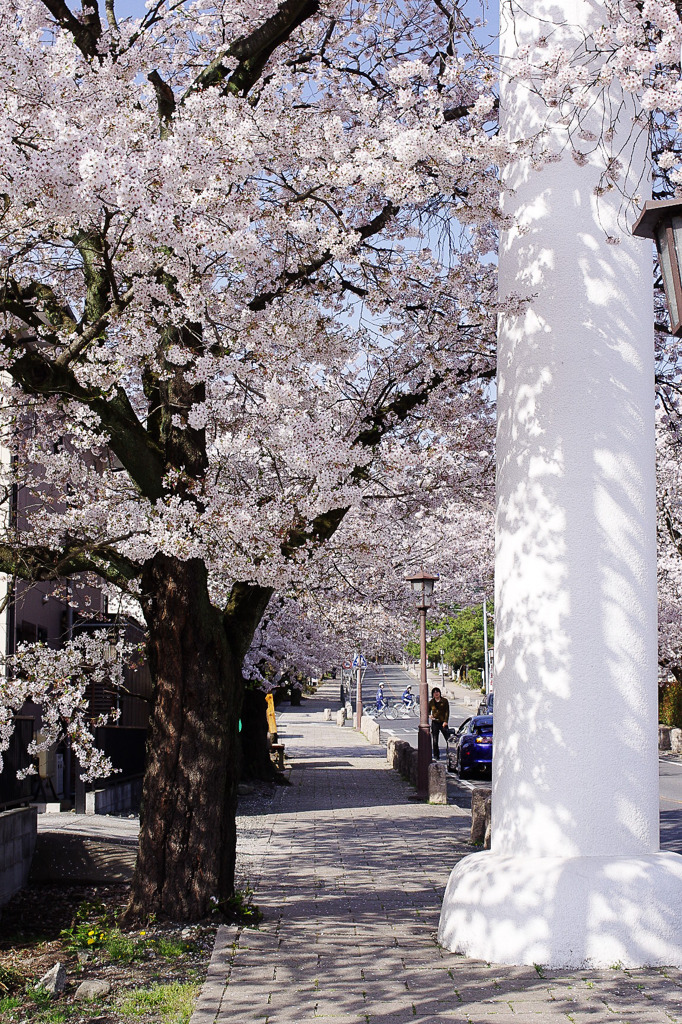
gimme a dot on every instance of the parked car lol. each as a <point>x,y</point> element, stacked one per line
<point>486,705</point>
<point>470,749</point>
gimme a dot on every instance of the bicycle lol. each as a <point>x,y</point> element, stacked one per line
<point>403,710</point>
<point>385,711</point>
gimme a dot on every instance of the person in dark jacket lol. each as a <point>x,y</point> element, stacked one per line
<point>439,712</point>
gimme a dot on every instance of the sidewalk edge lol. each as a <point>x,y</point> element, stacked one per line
<point>217,977</point>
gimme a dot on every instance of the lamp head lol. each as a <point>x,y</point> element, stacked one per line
<point>422,584</point>
<point>661,219</point>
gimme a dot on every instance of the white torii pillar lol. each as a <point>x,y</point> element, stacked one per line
<point>574,877</point>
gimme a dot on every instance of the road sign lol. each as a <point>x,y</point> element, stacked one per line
<point>346,664</point>
<point>359,660</point>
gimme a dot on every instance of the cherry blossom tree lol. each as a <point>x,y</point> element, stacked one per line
<point>247,293</point>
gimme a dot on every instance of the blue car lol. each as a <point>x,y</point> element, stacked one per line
<point>471,747</point>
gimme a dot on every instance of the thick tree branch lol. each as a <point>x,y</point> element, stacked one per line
<point>380,420</point>
<point>254,50</point>
<point>82,340</point>
<point>34,564</point>
<point>248,602</point>
<point>36,305</point>
<point>165,97</point>
<point>127,437</point>
<point>244,611</point>
<point>86,33</point>
<point>456,113</point>
<point>317,532</point>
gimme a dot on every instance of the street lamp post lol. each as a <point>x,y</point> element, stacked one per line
<point>422,586</point>
<point>486,673</point>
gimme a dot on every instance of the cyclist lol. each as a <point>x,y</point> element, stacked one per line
<point>408,697</point>
<point>381,700</point>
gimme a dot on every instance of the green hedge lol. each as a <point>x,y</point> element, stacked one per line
<point>670,704</point>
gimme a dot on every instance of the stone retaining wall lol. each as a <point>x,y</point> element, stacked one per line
<point>369,728</point>
<point>117,798</point>
<point>403,757</point>
<point>18,831</point>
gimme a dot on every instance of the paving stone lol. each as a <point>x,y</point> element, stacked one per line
<point>350,876</point>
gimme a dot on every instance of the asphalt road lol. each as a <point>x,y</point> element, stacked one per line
<point>395,679</point>
<point>670,775</point>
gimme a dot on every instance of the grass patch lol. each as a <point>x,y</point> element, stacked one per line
<point>95,930</point>
<point>171,1004</point>
<point>171,948</point>
<point>47,1012</point>
<point>124,949</point>
<point>51,1015</point>
<point>7,1004</point>
<point>89,928</point>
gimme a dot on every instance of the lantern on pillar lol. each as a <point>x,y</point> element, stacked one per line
<point>661,219</point>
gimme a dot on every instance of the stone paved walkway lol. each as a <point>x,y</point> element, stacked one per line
<point>350,875</point>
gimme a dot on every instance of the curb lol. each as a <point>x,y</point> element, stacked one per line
<point>217,977</point>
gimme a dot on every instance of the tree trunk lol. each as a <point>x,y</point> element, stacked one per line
<point>186,858</point>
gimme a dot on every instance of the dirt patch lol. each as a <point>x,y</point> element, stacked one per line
<point>154,974</point>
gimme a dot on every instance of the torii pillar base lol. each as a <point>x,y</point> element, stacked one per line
<point>571,912</point>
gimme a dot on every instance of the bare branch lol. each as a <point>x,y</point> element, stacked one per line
<point>294,277</point>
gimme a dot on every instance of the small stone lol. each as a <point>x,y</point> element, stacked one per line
<point>94,989</point>
<point>186,933</point>
<point>84,956</point>
<point>54,981</point>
